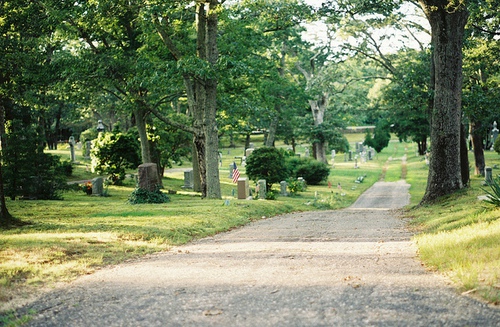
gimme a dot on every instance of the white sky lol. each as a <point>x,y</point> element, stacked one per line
<point>316,32</point>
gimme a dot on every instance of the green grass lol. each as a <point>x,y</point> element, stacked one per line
<point>81,233</point>
<point>459,234</point>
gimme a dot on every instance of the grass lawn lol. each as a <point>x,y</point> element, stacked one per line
<point>65,239</point>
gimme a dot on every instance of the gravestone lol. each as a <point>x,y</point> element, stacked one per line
<point>243,189</point>
<point>248,152</point>
<point>369,154</point>
<point>88,144</point>
<point>494,134</point>
<point>283,186</point>
<point>72,148</point>
<point>231,168</point>
<point>488,175</point>
<point>262,189</point>
<point>98,186</point>
<point>188,179</point>
<point>307,154</point>
<point>350,155</point>
<point>148,176</point>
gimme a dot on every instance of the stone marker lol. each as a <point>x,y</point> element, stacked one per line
<point>72,148</point>
<point>231,168</point>
<point>148,176</point>
<point>488,175</point>
<point>248,152</point>
<point>188,179</point>
<point>98,186</point>
<point>243,189</point>
<point>494,135</point>
<point>350,155</point>
<point>262,189</point>
<point>88,145</point>
<point>283,186</point>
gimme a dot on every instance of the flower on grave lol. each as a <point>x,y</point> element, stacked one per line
<point>87,187</point>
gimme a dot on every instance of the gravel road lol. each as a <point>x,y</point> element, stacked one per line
<point>352,267</point>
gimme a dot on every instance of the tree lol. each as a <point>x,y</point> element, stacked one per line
<point>407,99</point>
<point>200,75</point>
<point>447,22</point>
<point>481,76</point>
<point>24,29</point>
<point>382,136</point>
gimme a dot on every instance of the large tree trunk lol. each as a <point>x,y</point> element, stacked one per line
<point>447,24</point>
<point>273,127</point>
<point>477,146</point>
<point>318,108</point>
<point>140,123</point>
<point>464,156</point>
<point>211,130</point>
<point>5,217</point>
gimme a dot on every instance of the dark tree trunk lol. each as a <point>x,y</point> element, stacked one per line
<point>140,122</point>
<point>464,156</point>
<point>447,24</point>
<point>477,146</point>
<point>5,217</point>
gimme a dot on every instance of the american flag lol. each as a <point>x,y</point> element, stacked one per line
<point>236,173</point>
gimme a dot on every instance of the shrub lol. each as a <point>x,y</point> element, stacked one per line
<point>141,196</point>
<point>496,145</point>
<point>381,138</point>
<point>266,163</point>
<point>27,170</point>
<point>295,186</point>
<point>313,171</point>
<point>113,153</point>
<point>493,192</point>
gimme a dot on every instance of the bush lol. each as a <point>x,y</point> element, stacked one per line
<point>141,196</point>
<point>493,192</point>
<point>267,163</point>
<point>496,145</point>
<point>313,171</point>
<point>27,170</point>
<point>381,138</point>
<point>295,186</point>
<point>113,153</point>
<point>65,168</point>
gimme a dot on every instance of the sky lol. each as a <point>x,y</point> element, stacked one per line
<point>316,32</point>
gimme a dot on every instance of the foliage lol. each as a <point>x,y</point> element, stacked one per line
<point>338,142</point>
<point>266,163</point>
<point>493,192</point>
<point>141,196</point>
<point>112,153</point>
<point>27,170</point>
<point>295,186</point>
<point>496,146</point>
<point>313,171</point>
<point>66,168</point>
<point>381,138</point>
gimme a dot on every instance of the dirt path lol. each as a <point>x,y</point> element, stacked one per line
<point>353,267</point>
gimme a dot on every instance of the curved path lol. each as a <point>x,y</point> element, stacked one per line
<point>352,267</point>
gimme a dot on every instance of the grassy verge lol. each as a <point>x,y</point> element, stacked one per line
<point>459,235</point>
